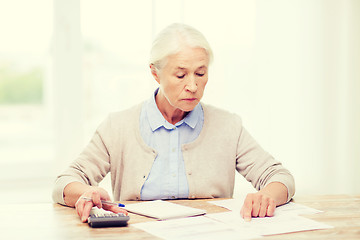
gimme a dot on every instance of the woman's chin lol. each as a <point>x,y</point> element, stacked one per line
<point>188,107</point>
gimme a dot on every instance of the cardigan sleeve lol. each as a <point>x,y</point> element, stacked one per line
<point>90,167</point>
<point>259,167</point>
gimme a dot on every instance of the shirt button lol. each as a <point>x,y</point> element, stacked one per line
<point>173,128</point>
<point>189,173</point>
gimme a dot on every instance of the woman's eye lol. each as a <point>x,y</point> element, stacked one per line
<point>200,74</point>
<point>181,76</point>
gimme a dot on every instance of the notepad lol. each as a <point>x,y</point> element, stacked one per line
<point>163,210</point>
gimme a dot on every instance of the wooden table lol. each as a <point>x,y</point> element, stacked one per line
<point>52,221</point>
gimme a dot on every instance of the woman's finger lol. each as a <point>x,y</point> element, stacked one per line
<point>79,206</point>
<point>271,208</point>
<point>264,207</point>
<point>247,208</point>
<point>96,199</point>
<point>114,209</point>
<point>256,205</point>
<point>86,211</point>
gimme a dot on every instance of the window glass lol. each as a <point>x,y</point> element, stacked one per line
<point>25,126</point>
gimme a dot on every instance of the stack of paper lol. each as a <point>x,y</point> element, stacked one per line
<point>285,220</point>
<point>268,225</point>
<point>194,228</point>
<point>163,210</point>
<point>225,225</point>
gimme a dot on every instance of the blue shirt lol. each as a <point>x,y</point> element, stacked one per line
<point>167,178</point>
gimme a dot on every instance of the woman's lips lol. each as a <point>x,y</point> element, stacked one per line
<point>189,99</point>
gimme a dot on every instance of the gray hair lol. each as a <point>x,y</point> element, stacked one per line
<point>170,41</point>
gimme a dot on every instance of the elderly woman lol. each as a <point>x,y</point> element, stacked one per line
<point>173,146</point>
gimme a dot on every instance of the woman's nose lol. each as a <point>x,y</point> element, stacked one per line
<point>191,85</point>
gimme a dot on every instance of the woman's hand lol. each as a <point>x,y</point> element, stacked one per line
<point>83,207</point>
<point>264,202</point>
<point>258,205</point>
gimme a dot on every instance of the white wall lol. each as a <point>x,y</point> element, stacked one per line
<point>289,68</point>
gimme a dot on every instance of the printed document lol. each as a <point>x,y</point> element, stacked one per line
<point>194,228</point>
<point>285,219</point>
<point>269,225</point>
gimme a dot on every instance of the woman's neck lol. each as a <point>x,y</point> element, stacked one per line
<point>169,112</point>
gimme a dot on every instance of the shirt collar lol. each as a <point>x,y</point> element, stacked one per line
<point>193,117</point>
<point>157,120</point>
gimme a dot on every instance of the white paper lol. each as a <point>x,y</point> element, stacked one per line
<point>295,208</point>
<point>230,225</point>
<point>289,208</point>
<point>197,228</point>
<point>163,210</point>
<point>269,225</point>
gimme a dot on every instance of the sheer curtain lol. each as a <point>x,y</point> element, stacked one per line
<point>288,68</point>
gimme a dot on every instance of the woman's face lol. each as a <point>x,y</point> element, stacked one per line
<point>183,78</point>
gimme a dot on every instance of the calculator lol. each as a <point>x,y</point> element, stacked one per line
<point>100,218</point>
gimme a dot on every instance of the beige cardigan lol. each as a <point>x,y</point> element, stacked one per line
<point>210,161</point>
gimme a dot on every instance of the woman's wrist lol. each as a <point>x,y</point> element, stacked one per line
<point>277,191</point>
<point>73,191</point>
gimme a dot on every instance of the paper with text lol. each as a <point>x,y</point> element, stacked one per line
<point>194,228</point>
<point>269,225</point>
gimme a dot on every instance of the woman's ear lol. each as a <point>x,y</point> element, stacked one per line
<point>155,73</point>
